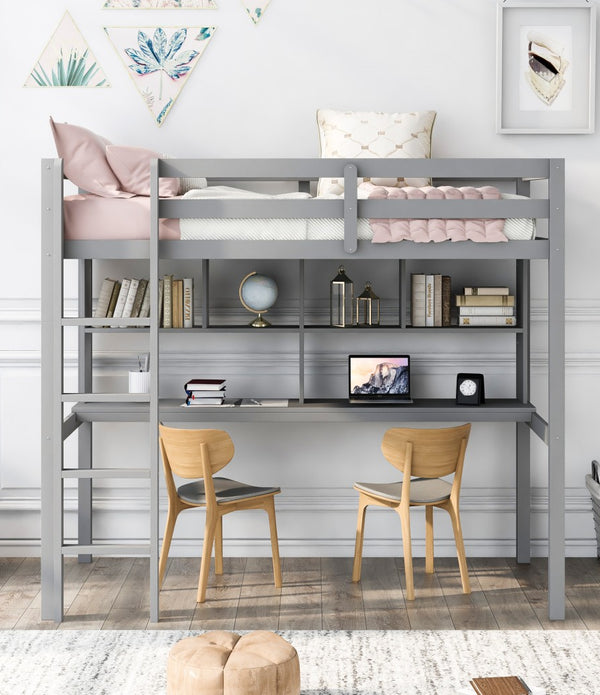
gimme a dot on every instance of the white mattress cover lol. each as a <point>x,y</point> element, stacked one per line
<point>317,229</point>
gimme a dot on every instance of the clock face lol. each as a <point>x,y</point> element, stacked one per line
<point>468,387</point>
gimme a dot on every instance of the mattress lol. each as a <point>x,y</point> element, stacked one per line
<point>92,217</point>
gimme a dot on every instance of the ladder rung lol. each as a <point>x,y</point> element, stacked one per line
<point>105,397</point>
<point>107,549</point>
<point>106,473</point>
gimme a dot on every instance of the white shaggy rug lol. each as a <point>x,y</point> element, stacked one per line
<point>128,662</point>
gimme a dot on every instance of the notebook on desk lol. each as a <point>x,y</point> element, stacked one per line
<point>379,379</point>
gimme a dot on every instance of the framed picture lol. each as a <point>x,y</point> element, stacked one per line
<point>546,55</point>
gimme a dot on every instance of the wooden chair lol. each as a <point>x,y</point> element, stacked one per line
<point>428,454</point>
<point>199,454</point>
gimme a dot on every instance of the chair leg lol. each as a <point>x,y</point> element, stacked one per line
<point>428,539</point>
<point>404,512</point>
<point>219,546</point>
<point>172,514</point>
<point>460,548</point>
<point>207,546</point>
<point>270,508</point>
<point>360,533</point>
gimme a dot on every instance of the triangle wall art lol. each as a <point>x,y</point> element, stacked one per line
<point>160,60</point>
<point>160,4</point>
<point>67,61</point>
<point>255,9</point>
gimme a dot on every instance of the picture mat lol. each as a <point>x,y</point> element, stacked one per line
<point>581,71</point>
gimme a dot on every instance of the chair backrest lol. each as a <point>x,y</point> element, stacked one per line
<point>434,452</point>
<point>183,449</point>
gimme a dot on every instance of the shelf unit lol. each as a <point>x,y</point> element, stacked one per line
<point>94,407</point>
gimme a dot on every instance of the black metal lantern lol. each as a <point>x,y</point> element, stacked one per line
<point>341,300</point>
<point>366,308</point>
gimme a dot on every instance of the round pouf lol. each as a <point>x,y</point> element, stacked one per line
<point>225,663</point>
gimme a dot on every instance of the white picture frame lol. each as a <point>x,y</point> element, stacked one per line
<point>545,69</point>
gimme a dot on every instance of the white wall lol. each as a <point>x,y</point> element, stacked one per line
<point>254,93</point>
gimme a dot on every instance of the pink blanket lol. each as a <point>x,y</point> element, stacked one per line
<point>385,230</point>
<point>92,217</point>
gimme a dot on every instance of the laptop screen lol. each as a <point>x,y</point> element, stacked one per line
<point>379,377</point>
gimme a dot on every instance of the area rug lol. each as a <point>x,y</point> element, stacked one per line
<point>124,662</point>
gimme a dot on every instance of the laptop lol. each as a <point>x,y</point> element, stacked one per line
<point>380,379</point>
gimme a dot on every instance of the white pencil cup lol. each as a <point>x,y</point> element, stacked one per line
<point>139,382</point>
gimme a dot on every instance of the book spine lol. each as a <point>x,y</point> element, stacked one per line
<point>485,300</point>
<point>118,313</point>
<point>161,292</point>
<point>486,310</point>
<point>178,303</point>
<point>446,300</point>
<point>437,300</point>
<point>188,302</point>
<point>139,298</point>
<point>429,290</point>
<point>168,301</point>
<point>104,298</point>
<point>203,401</point>
<point>487,321</point>
<point>417,301</point>
<point>145,308</point>
<point>486,290</point>
<point>113,300</point>
<point>130,299</point>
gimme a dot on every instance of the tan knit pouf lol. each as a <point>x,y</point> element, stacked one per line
<point>223,663</point>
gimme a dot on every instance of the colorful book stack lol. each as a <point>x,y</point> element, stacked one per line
<point>201,392</point>
<point>486,306</point>
<point>430,300</point>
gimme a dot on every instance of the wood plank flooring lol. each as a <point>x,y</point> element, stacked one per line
<point>317,594</point>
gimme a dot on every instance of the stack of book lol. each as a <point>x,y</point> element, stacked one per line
<point>126,298</point>
<point>205,392</point>
<point>430,300</point>
<point>486,306</point>
<point>176,299</point>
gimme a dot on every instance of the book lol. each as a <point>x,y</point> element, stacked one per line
<point>131,292</point>
<point>446,300</point>
<point>161,292</point>
<point>204,385</point>
<point>486,310</point>
<point>225,404</point>
<point>487,320</point>
<point>417,300</point>
<point>437,300</point>
<point>486,290</point>
<point>118,312</point>
<point>139,298</point>
<point>113,300</point>
<point>199,393</point>
<point>104,296</point>
<point>177,303</point>
<point>205,400</point>
<point>145,308</point>
<point>188,302</point>
<point>500,685</point>
<point>168,301</point>
<point>485,300</point>
<point>429,289</point>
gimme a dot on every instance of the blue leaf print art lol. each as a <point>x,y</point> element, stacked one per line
<point>161,61</point>
<point>255,9</point>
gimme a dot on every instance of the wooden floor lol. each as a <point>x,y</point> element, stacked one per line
<point>317,594</point>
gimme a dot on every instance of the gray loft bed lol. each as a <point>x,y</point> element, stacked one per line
<point>99,407</point>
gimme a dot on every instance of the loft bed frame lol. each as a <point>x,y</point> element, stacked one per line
<point>94,407</point>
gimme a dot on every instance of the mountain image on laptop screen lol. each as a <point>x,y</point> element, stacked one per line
<point>381,376</point>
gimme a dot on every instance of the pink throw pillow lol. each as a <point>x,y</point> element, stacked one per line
<point>85,162</point>
<point>132,167</point>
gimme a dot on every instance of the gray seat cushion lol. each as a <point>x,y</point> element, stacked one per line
<point>226,490</point>
<point>422,490</point>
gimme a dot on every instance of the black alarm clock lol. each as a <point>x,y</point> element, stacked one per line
<point>469,389</point>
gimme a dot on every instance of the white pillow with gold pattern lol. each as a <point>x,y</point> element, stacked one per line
<point>363,134</point>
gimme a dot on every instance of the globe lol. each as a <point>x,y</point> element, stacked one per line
<point>258,293</point>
